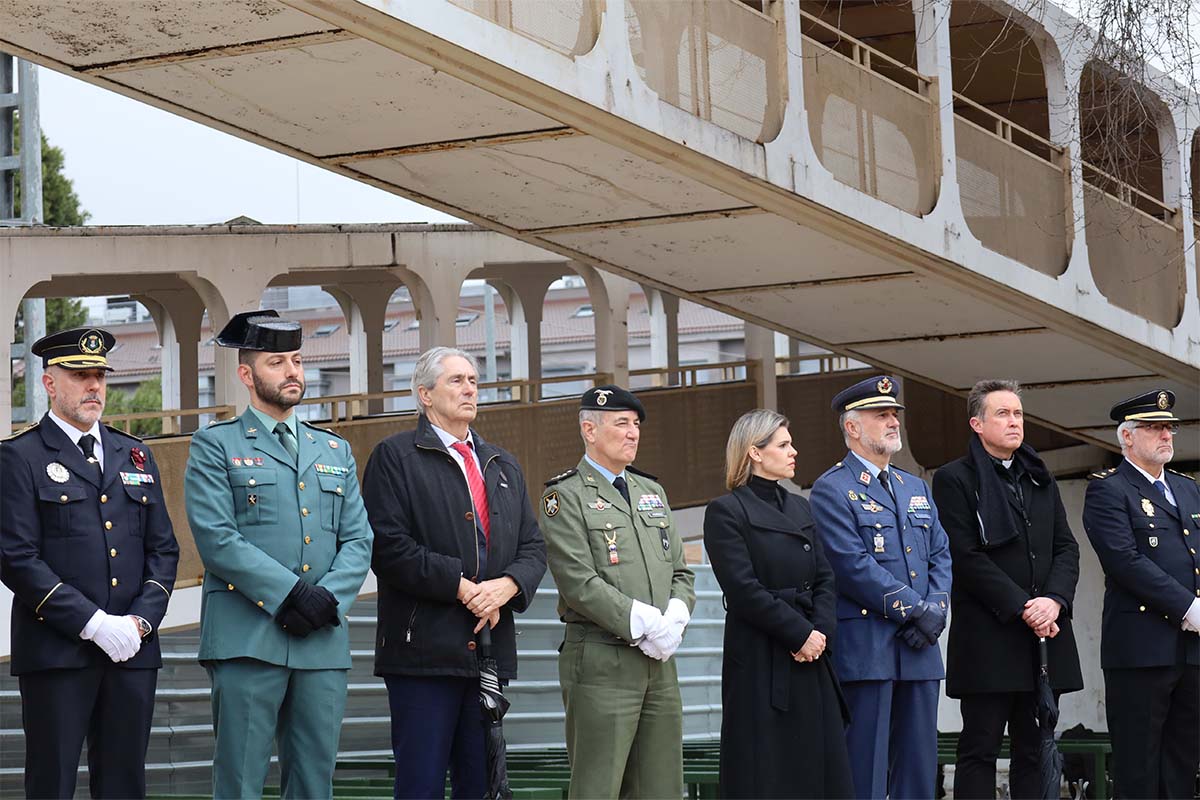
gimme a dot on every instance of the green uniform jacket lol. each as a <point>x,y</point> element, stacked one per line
<point>260,524</point>
<point>581,514</point>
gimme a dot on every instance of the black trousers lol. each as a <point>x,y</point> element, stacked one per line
<point>1154,722</point>
<point>109,706</point>
<point>984,718</point>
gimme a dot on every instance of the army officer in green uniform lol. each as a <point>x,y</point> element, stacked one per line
<point>626,596</point>
<point>276,513</point>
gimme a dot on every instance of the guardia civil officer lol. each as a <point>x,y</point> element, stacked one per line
<point>1016,564</point>
<point>626,595</point>
<point>891,560</point>
<point>87,548</point>
<point>279,523</point>
<point>1144,522</point>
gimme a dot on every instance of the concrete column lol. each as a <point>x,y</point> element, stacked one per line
<point>760,348</point>
<point>1181,195</point>
<point>365,307</point>
<point>525,288</point>
<point>933,59</point>
<point>610,303</point>
<point>664,334</point>
<point>1062,102</point>
<point>178,315</point>
<point>11,294</point>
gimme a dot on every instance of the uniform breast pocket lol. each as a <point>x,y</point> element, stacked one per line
<point>255,496</point>
<point>658,525</point>
<point>58,504</point>
<point>878,532</point>
<point>333,492</point>
<point>612,543</point>
<point>140,499</point>
<point>919,524</point>
<point>1149,538</point>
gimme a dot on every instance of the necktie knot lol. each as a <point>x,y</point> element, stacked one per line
<point>87,443</point>
<point>1162,487</point>
<point>621,486</point>
<point>286,439</point>
<point>462,448</point>
<point>885,482</point>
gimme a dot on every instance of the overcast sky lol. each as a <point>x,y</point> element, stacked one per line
<point>133,164</point>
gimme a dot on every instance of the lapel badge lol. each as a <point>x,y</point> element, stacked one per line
<point>310,436</point>
<point>1147,507</point>
<point>853,495</point>
<point>896,475</point>
<point>333,444</point>
<point>252,499</point>
<point>550,504</point>
<point>864,477</point>
<point>138,456</point>
<point>251,430</point>
<point>57,472</point>
<point>1154,541</point>
<point>879,543</point>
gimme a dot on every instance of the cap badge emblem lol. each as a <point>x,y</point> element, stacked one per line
<point>1163,401</point>
<point>884,386</point>
<point>91,343</point>
<point>602,396</point>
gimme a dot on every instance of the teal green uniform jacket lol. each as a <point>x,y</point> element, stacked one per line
<point>260,523</point>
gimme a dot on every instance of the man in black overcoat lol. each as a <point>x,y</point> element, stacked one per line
<point>1015,566</point>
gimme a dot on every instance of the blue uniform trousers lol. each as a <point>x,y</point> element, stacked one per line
<point>437,722</point>
<point>892,738</point>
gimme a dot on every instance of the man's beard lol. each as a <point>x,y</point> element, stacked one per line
<point>273,395</point>
<point>1151,455</point>
<point>83,415</point>
<point>883,447</point>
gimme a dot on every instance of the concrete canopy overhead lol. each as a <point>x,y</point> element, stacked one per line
<point>580,156</point>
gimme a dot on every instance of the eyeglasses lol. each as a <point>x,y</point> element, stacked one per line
<point>1158,427</point>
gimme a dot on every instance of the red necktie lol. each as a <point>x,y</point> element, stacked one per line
<point>478,492</point>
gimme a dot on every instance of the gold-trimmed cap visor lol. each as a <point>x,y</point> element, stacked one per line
<point>1153,406</point>
<point>77,348</point>
<point>880,391</point>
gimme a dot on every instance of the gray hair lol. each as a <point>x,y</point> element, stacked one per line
<point>753,429</point>
<point>429,368</point>
<point>852,416</point>
<point>592,415</point>
<point>977,399</point>
<point>1128,425</point>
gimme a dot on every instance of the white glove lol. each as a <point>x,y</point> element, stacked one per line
<point>1191,620</point>
<point>677,618</point>
<point>651,648</point>
<point>645,621</point>
<point>118,637</point>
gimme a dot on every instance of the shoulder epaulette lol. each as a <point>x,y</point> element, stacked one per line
<point>21,432</point>
<point>561,477</point>
<point>1183,474</point>
<point>222,421</point>
<point>323,430</point>
<point>126,434</point>
<point>1102,474</point>
<point>637,471</point>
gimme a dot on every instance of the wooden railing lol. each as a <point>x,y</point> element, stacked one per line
<point>826,362</point>
<point>170,417</point>
<point>688,375</point>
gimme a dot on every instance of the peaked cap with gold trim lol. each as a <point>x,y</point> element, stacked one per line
<point>878,392</point>
<point>78,348</point>
<point>1153,406</point>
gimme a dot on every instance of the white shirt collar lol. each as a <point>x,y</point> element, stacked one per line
<point>449,439</point>
<point>608,475</point>
<point>874,470</point>
<point>1162,475</point>
<point>74,433</point>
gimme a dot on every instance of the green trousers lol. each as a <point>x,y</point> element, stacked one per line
<point>624,722</point>
<point>255,705</point>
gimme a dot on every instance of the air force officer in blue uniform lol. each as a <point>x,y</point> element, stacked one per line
<point>1144,522</point>
<point>891,560</point>
<point>87,548</point>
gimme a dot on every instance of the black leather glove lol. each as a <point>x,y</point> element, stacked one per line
<point>912,637</point>
<point>292,621</point>
<point>308,608</point>
<point>929,620</point>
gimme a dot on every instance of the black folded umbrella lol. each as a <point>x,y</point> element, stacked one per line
<point>494,706</point>
<point>1050,761</point>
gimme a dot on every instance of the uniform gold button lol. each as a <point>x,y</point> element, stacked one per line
<point>260,603</point>
<point>302,486</point>
<point>143,499</point>
<point>306,568</point>
<point>308,540</point>
<point>1141,608</point>
<point>1193,550</point>
<point>608,525</point>
<point>1186,532</point>
<point>662,524</point>
<point>63,499</point>
<point>114,581</point>
<point>913,574</point>
<point>251,482</point>
<point>229,586</point>
<point>112,553</point>
<point>908,549</point>
<point>1198,570</point>
<point>304,512</point>
<point>108,525</point>
<point>338,490</point>
<point>864,612</point>
<point>877,525</point>
<point>103,498</point>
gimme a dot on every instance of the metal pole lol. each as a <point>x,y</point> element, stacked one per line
<point>6,135</point>
<point>31,212</point>
<point>489,326</point>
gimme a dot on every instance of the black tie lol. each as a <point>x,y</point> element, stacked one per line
<point>886,484</point>
<point>622,487</point>
<point>285,438</point>
<point>87,443</point>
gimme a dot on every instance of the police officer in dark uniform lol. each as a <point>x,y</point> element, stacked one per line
<point>1144,523</point>
<point>891,558</point>
<point>88,551</point>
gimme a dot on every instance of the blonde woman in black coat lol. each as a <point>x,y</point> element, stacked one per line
<point>783,726</point>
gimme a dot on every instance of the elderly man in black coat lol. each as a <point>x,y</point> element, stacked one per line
<point>1015,565</point>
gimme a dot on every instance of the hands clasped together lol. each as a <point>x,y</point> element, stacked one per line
<point>814,647</point>
<point>924,625</point>
<point>119,637</point>
<point>660,633</point>
<point>486,598</point>
<point>308,608</point>
<point>1041,615</point>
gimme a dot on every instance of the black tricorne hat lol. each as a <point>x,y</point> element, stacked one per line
<point>1152,406</point>
<point>878,392</point>
<point>263,330</point>
<point>612,398</point>
<point>78,348</point>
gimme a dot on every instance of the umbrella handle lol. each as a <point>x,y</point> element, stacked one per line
<point>1043,654</point>
<point>485,639</point>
